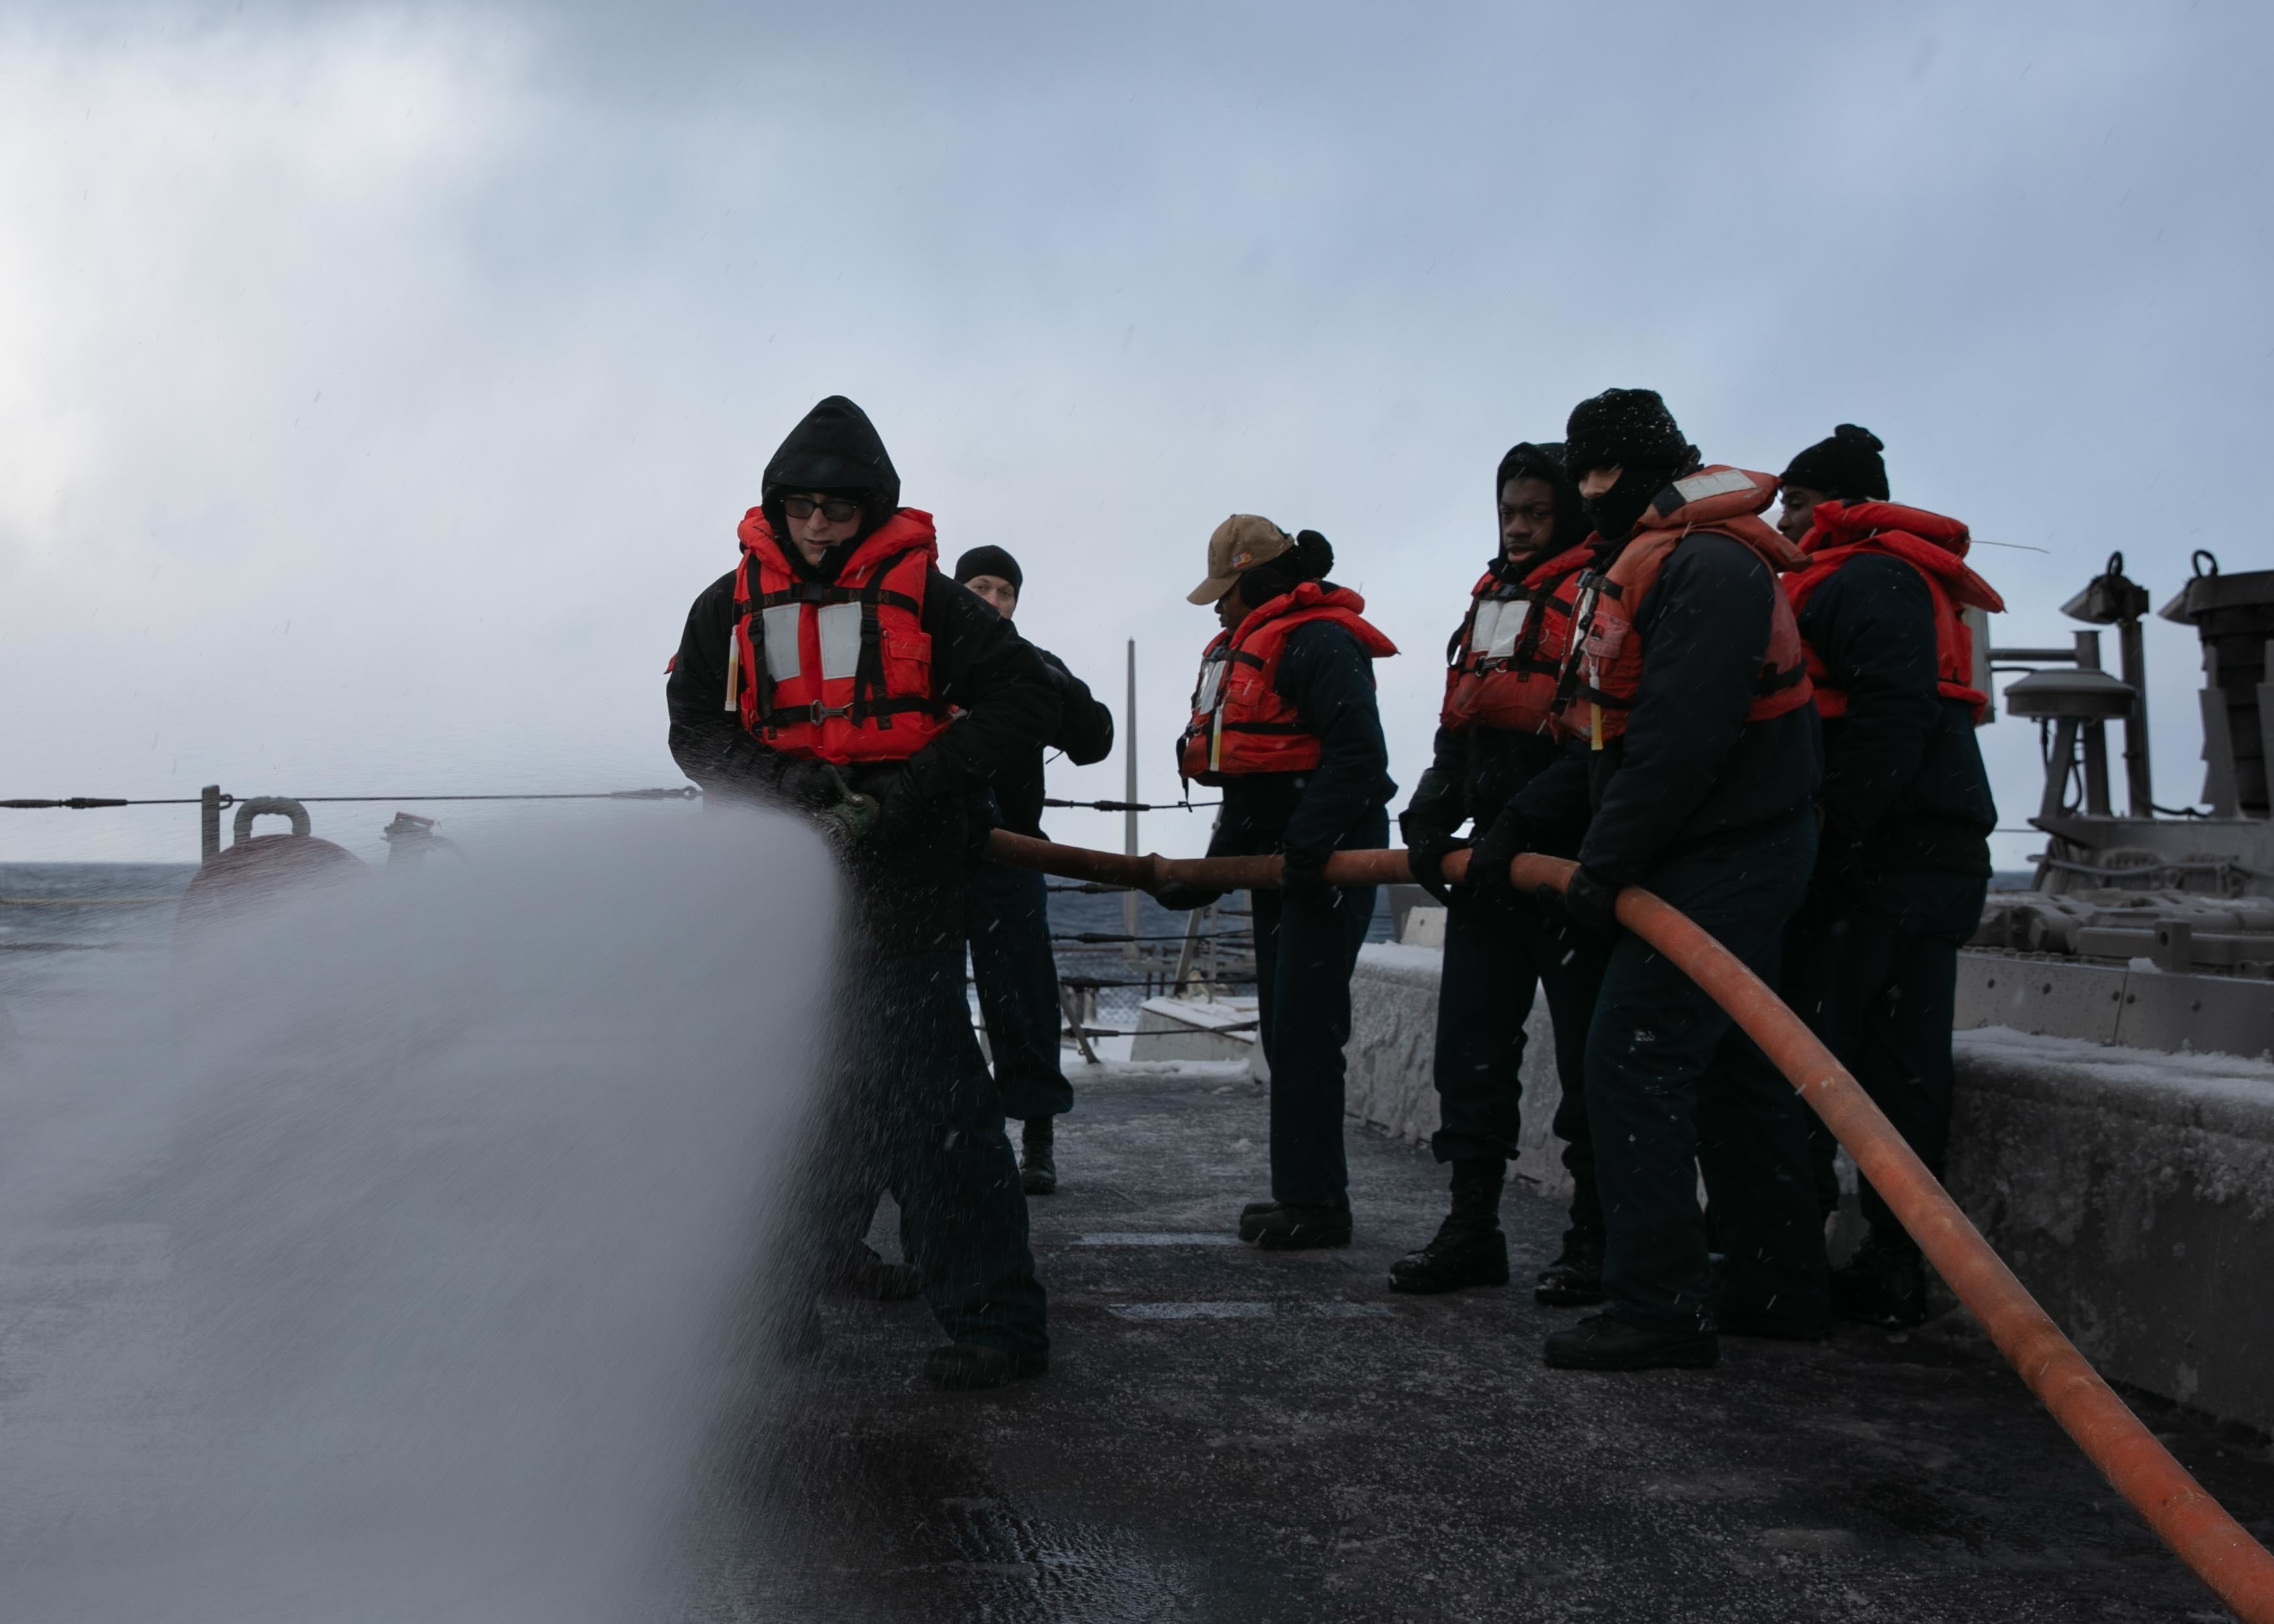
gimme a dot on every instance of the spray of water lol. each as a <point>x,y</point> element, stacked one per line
<point>397,1251</point>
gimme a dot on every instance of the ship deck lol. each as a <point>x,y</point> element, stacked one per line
<point>1228,1434</point>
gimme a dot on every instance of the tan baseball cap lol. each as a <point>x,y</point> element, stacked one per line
<point>1239,543</point>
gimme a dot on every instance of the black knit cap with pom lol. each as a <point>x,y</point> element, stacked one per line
<point>1846,467</point>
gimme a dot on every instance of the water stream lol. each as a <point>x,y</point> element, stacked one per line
<point>396,1251</point>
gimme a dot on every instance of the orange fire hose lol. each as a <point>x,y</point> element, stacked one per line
<point>2217,1548</point>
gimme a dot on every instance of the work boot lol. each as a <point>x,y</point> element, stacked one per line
<point>1038,1173</point>
<point>1252,1215</point>
<point>858,1271</point>
<point>1469,1249</point>
<point>1600,1343</point>
<point>1279,1227</point>
<point>966,1367</point>
<point>1884,1284</point>
<point>1575,1280</point>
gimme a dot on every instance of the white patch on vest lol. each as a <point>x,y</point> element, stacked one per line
<point>1500,622</point>
<point>778,625</point>
<point>1211,680</point>
<point>1697,487</point>
<point>840,641</point>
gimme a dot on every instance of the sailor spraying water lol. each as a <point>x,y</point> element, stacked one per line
<point>837,672</point>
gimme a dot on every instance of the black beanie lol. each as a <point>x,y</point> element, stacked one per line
<point>989,560</point>
<point>1528,461</point>
<point>1633,431</point>
<point>1846,467</point>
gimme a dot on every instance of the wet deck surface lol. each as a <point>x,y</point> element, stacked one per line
<point>1228,1434</point>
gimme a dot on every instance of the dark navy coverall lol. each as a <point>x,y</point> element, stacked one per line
<point>1872,961</point>
<point>913,1107</point>
<point>1305,952</point>
<point>1714,814</point>
<point>1006,918</point>
<point>1498,956</point>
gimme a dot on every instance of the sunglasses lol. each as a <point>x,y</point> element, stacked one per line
<point>836,509</point>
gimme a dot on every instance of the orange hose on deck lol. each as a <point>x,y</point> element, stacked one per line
<point>2217,1548</point>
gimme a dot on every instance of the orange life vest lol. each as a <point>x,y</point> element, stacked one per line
<point>1503,662</point>
<point>1239,723</point>
<point>1928,543</point>
<point>1603,672</point>
<point>838,671</point>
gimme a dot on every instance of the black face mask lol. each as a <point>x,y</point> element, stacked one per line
<point>1615,512</point>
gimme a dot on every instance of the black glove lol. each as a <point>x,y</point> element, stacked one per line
<point>983,815</point>
<point>1436,808</point>
<point>1301,883</point>
<point>1425,856</point>
<point>810,785</point>
<point>1182,898</point>
<point>1498,846</point>
<point>907,816</point>
<point>1586,902</point>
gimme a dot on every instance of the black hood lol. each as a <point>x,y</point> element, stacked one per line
<point>1528,461</point>
<point>836,449</point>
<point>1848,467</point>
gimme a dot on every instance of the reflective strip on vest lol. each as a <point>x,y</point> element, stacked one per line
<point>840,641</point>
<point>1211,685</point>
<point>779,627</point>
<point>1697,487</point>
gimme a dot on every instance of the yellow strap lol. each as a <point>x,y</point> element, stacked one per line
<point>733,671</point>
<point>1594,725</point>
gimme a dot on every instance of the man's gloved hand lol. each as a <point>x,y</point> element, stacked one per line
<point>904,812</point>
<point>1427,826</point>
<point>1437,807</point>
<point>1301,883</point>
<point>983,815</point>
<point>1182,898</point>
<point>807,786</point>
<point>1425,856</point>
<point>1586,902</point>
<point>849,820</point>
<point>1497,848</point>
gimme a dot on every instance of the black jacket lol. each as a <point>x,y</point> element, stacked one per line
<point>1902,774</point>
<point>1338,805</point>
<point>1083,729</point>
<point>1689,768</point>
<point>908,891</point>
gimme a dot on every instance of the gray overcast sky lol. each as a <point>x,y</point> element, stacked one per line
<point>379,384</point>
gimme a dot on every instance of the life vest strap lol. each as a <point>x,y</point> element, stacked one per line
<point>824,592</point>
<point>1259,727</point>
